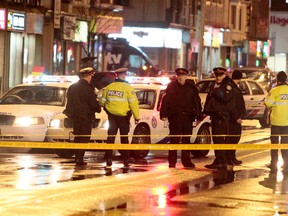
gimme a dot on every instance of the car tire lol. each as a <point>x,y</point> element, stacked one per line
<point>65,153</point>
<point>203,137</point>
<point>139,138</point>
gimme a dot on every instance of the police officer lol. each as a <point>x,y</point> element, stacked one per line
<point>219,105</point>
<point>277,102</point>
<point>81,106</point>
<point>119,100</point>
<point>180,106</point>
<point>237,115</point>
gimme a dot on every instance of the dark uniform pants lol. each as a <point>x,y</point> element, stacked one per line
<point>276,133</point>
<point>220,132</point>
<point>122,123</point>
<point>180,125</point>
<point>235,132</point>
<point>82,131</point>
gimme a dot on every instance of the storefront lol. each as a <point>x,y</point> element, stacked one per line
<point>21,39</point>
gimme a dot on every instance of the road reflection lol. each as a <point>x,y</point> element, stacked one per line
<point>31,171</point>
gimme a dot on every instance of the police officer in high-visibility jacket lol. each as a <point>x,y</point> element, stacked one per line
<point>120,102</point>
<point>277,102</point>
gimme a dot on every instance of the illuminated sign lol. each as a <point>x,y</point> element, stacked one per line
<point>2,19</point>
<point>15,21</point>
<point>212,37</point>
<point>152,37</point>
<point>81,32</point>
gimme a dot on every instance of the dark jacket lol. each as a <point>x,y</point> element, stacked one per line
<point>181,98</point>
<point>240,109</point>
<point>219,101</point>
<point>82,101</point>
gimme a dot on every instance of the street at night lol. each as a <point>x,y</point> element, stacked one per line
<point>33,182</point>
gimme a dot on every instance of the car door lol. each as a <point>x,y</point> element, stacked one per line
<point>254,99</point>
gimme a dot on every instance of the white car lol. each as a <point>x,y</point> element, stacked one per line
<point>262,75</point>
<point>26,109</point>
<point>254,95</point>
<point>152,129</point>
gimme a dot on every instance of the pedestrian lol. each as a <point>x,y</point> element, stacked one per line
<point>81,106</point>
<point>120,102</point>
<point>220,105</point>
<point>277,103</point>
<point>180,106</point>
<point>237,115</point>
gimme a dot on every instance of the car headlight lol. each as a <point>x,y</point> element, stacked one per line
<point>55,123</point>
<point>27,121</point>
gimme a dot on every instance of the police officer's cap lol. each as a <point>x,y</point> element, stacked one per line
<point>219,69</point>
<point>181,71</point>
<point>87,70</point>
<point>121,70</point>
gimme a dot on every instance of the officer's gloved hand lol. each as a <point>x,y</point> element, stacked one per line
<point>164,119</point>
<point>137,121</point>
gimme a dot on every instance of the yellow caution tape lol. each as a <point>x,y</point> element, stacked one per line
<point>98,146</point>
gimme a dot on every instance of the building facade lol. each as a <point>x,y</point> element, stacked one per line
<point>60,36</point>
<point>278,34</point>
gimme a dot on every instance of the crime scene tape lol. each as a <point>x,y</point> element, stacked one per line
<point>117,146</point>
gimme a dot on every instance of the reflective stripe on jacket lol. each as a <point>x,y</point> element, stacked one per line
<point>119,98</point>
<point>277,101</point>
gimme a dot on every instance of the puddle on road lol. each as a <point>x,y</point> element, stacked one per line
<point>165,200</point>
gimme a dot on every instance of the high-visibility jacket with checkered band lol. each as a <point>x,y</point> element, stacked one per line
<point>277,101</point>
<point>119,98</point>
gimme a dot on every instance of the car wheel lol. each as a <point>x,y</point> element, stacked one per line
<point>203,137</point>
<point>140,138</point>
<point>65,153</point>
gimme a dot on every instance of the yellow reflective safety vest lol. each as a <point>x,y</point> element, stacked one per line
<point>119,98</point>
<point>277,101</point>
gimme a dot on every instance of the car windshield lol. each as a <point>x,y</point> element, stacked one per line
<point>258,75</point>
<point>146,98</point>
<point>35,95</point>
<point>204,86</point>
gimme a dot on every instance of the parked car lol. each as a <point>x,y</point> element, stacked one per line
<point>150,126</point>
<point>254,95</point>
<point>27,109</point>
<point>262,75</point>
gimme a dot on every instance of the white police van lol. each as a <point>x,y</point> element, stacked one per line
<point>149,91</point>
<point>26,109</point>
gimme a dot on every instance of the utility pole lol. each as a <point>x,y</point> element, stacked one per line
<point>201,15</point>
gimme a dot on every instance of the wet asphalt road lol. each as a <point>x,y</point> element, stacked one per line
<point>44,184</point>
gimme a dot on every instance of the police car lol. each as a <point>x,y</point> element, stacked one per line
<point>150,128</point>
<point>253,93</point>
<point>26,109</point>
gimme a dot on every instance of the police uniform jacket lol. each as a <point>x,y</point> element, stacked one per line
<point>82,101</point>
<point>219,102</point>
<point>181,99</point>
<point>277,101</point>
<point>240,110</point>
<point>119,98</point>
